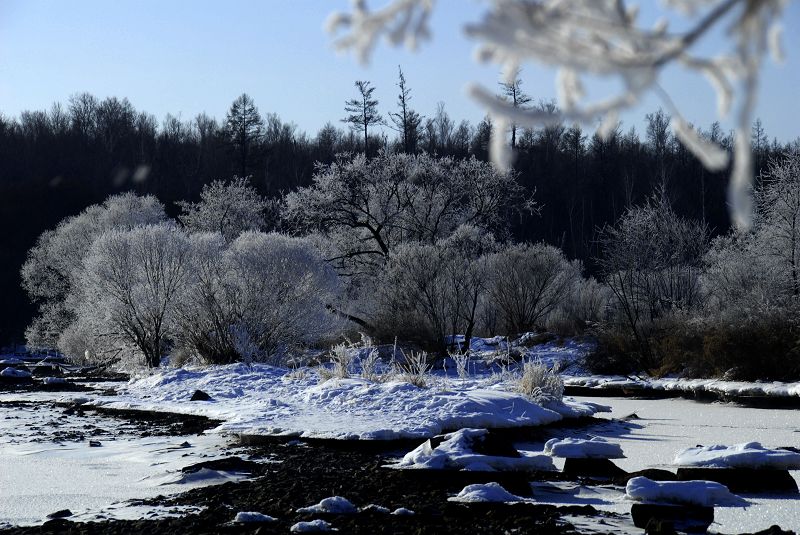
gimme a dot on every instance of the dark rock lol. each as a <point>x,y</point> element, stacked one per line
<point>199,395</point>
<point>592,467</point>
<point>660,527</point>
<point>514,482</point>
<point>496,445</point>
<point>94,444</point>
<point>63,513</point>
<point>772,530</point>
<point>655,474</point>
<point>743,479</point>
<point>227,464</point>
<point>687,518</point>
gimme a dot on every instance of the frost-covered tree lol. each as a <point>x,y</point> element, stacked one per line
<point>529,282</point>
<point>49,275</point>
<point>128,291</point>
<point>748,272</point>
<point>427,292</point>
<point>254,298</point>
<point>778,219</point>
<point>229,208</point>
<point>366,208</point>
<point>270,293</point>
<point>604,38</point>
<point>651,260</point>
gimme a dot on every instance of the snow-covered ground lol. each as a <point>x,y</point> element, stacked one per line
<point>264,400</point>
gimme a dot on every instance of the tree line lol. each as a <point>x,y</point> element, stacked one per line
<point>56,162</point>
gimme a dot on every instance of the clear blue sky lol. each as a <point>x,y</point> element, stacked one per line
<point>189,56</point>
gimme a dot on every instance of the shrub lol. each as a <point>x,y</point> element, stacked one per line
<point>257,298</point>
<point>540,383</point>
<point>414,369</point>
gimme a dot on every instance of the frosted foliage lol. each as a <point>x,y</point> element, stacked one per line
<point>749,274</point>
<point>427,292</point>
<point>366,208</point>
<point>228,208</point>
<point>127,292</point>
<point>264,294</point>
<point>531,281</point>
<point>778,220</point>
<point>652,262</point>
<point>604,38</point>
<point>50,270</point>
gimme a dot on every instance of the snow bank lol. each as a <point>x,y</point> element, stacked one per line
<point>456,452</point>
<point>263,400</point>
<point>576,448</point>
<point>487,492</point>
<point>702,493</point>
<point>334,504</point>
<point>747,455</point>
<point>246,517</point>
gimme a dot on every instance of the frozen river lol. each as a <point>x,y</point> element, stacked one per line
<point>47,465</point>
<point>666,426</point>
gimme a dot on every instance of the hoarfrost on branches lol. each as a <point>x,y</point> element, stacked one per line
<point>602,38</point>
<point>228,208</point>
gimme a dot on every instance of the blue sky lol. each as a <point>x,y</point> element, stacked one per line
<point>184,57</point>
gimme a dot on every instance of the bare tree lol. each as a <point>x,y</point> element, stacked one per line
<point>406,121</point>
<point>363,111</point>
<point>512,91</point>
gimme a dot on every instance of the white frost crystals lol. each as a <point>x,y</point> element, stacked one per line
<point>604,39</point>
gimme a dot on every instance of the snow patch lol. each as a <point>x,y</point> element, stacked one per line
<point>13,372</point>
<point>334,504</point>
<point>487,492</point>
<point>245,517</point>
<point>702,493</point>
<point>311,527</point>
<point>747,455</point>
<point>576,448</point>
<point>456,452</point>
